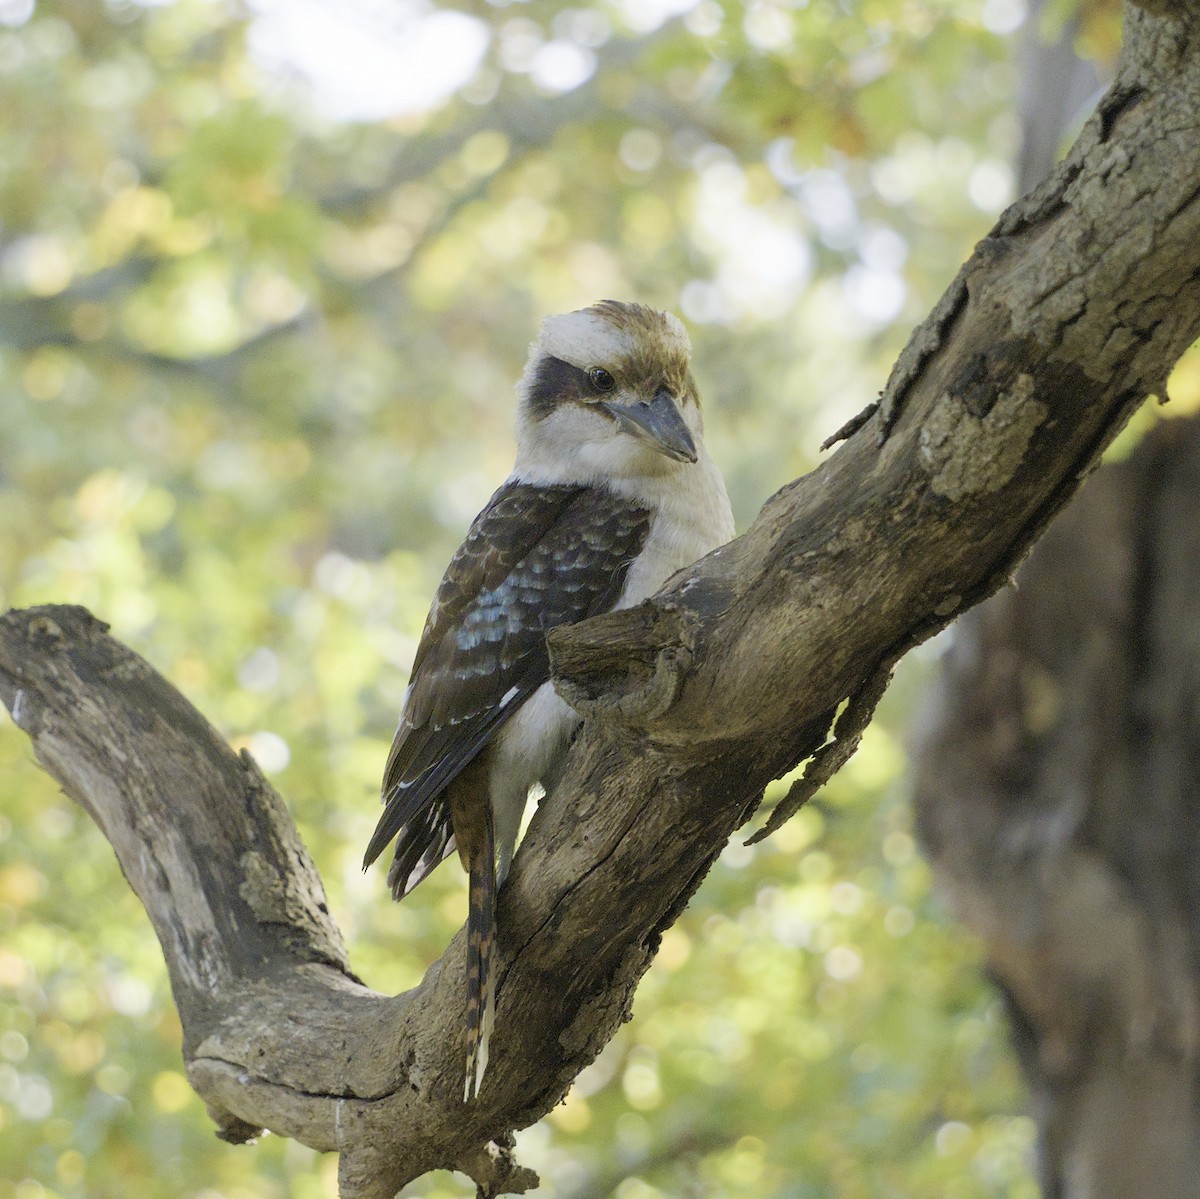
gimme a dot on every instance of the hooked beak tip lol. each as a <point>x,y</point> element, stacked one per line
<point>660,425</point>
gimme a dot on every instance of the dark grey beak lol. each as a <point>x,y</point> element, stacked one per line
<point>658,424</point>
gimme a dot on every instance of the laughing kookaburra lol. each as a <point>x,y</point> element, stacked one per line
<point>612,493</point>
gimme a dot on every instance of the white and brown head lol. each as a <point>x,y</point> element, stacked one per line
<point>608,393</point>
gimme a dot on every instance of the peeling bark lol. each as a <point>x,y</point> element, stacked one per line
<point>1065,318</point>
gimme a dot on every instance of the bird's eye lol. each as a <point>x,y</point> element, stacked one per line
<point>601,379</point>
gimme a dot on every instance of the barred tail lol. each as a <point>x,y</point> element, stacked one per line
<point>481,987</point>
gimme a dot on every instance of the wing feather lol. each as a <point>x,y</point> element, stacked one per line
<point>535,557</point>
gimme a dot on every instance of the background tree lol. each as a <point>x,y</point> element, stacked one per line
<point>1056,790</point>
<point>250,344</point>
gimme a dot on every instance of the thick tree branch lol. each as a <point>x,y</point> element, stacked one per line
<point>1065,318</point>
<point>1072,311</point>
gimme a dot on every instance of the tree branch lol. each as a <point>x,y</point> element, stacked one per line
<point>1072,311</point>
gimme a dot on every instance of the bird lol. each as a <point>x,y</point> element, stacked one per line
<point>611,493</point>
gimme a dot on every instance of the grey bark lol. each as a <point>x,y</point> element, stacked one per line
<point>1065,318</point>
<point>1057,791</point>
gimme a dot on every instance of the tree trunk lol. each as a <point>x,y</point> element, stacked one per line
<point>1071,312</point>
<point>1058,786</point>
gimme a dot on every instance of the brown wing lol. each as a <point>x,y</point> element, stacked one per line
<point>535,558</point>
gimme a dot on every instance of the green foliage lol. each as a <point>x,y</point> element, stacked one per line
<point>256,367</point>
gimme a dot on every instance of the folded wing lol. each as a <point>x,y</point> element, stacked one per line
<point>535,557</point>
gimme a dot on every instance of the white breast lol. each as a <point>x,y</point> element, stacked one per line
<point>691,518</point>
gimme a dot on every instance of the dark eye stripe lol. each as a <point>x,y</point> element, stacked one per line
<point>553,382</point>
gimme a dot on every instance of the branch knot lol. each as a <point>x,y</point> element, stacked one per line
<point>624,669</point>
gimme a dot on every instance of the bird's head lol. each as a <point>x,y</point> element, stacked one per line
<point>608,392</point>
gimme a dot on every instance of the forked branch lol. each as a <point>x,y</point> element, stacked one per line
<point>1065,318</point>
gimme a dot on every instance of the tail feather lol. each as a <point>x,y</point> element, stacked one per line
<point>481,986</point>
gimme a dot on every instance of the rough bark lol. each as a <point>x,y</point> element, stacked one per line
<point>1066,317</point>
<point>1057,788</point>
